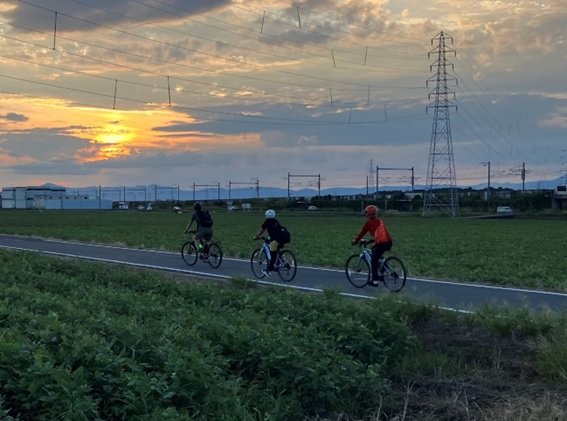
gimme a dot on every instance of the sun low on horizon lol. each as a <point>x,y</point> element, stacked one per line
<point>112,134</point>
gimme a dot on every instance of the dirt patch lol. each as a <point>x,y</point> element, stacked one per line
<point>495,379</point>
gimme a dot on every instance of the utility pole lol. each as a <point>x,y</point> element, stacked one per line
<point>487,164</point>
<point>290,176</point>
<point>523,173</point>
<point>412,178</point>
<point>441,186</point>
<point>255,183</point>
<point>207,187</point>
<point>370,179</point>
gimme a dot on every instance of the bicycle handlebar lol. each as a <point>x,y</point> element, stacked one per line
<point>364,242</point>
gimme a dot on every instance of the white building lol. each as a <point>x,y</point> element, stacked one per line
<point>48,196</point>
<point>559,198</point>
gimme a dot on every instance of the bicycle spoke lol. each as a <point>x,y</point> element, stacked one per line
<point>357,271</point>
<point>287,265</point>
<point>394,274</point>
<point>215,255</point>
<point>259,263</point>
<point>189,253</point>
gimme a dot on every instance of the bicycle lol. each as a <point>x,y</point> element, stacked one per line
<point>358,269</point>
<point>285,264</point>
<point>190,253</point>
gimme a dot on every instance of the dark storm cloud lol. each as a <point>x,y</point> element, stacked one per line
<point>39,14</point>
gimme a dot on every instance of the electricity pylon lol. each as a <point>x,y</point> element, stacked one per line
<point>441,184</point>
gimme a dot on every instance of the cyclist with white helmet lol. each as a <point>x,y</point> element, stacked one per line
<point>278,235</point>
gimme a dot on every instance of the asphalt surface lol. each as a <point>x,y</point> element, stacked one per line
<point>449,295</point>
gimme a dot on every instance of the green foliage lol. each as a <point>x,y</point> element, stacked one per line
<point>552,354</point>
<point>490,251</point>
<point>87,341</point>
<point>516,321</point>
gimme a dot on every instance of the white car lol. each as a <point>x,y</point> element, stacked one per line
<point>504,210</point>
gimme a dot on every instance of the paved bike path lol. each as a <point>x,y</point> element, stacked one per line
<point>452,295</point>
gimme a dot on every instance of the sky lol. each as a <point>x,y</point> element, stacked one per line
<point>207,92</point>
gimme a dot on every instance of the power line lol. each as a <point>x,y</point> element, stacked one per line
<point>244,116</point>
<point>194,50</point>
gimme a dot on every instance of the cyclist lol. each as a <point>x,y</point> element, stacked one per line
<point>277,233</point>
<point>204,222</point>
<point>382,239</point>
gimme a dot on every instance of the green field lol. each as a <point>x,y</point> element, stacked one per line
<point>519,252</point>
<point>86,341</point>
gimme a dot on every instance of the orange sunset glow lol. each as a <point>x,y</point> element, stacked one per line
<point>113,134</point>
<point>173,91</point>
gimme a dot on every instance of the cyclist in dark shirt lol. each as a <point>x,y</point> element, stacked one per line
<point>277,240</point>
<point>204,230</point>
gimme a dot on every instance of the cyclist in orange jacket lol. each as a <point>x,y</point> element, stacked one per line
<point>382,238</point>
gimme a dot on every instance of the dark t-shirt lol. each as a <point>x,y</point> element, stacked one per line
<point>200,218</point>
<point>272,225</point>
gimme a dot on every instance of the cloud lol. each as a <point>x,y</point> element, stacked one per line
<point>557,119</point>
<point>213,98</point>
<point>14,117</point>
<point>86,16</point>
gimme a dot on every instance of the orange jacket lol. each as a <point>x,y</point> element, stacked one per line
<point>377,230</point>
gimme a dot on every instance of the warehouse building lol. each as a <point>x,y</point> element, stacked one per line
<point>48,196</point>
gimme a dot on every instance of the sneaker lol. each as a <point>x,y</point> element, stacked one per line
<point>373,283</point>
<point>266,273</point>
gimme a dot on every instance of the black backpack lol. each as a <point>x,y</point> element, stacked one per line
<point>204,218</point>
<point>282,234</point>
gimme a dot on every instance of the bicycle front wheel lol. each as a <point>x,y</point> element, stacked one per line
<point>394,273</point>
<point>189,253</point>
<point>287,265</point>
<point>215,255</point>
<point>259,263</point>
<point>357,271</point>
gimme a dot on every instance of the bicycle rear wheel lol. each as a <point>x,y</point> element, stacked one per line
<point>215,255</point>
<point>394,273</point>
<point>189,253</point>
<point>357,271</point>
<point>287,265</point>
<point>259,263</point>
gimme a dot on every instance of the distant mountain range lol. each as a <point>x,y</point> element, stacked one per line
<point>153,192</point>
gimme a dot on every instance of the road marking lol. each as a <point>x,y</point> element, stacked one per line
<point>424,280</point>
<point>227,277</point>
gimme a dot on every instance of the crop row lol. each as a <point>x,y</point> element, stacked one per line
<point>519,252</point>
<point>80,340</point>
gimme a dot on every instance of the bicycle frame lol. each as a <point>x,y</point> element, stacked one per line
<point>266,247</point>
<point>285,263</point>
<point>214,259</point>
<point>391,269</point>
<point>366,254</point>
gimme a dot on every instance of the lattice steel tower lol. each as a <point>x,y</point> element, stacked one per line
<point>441,184</point>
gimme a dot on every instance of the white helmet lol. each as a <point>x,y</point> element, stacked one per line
<point>270,213</point>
